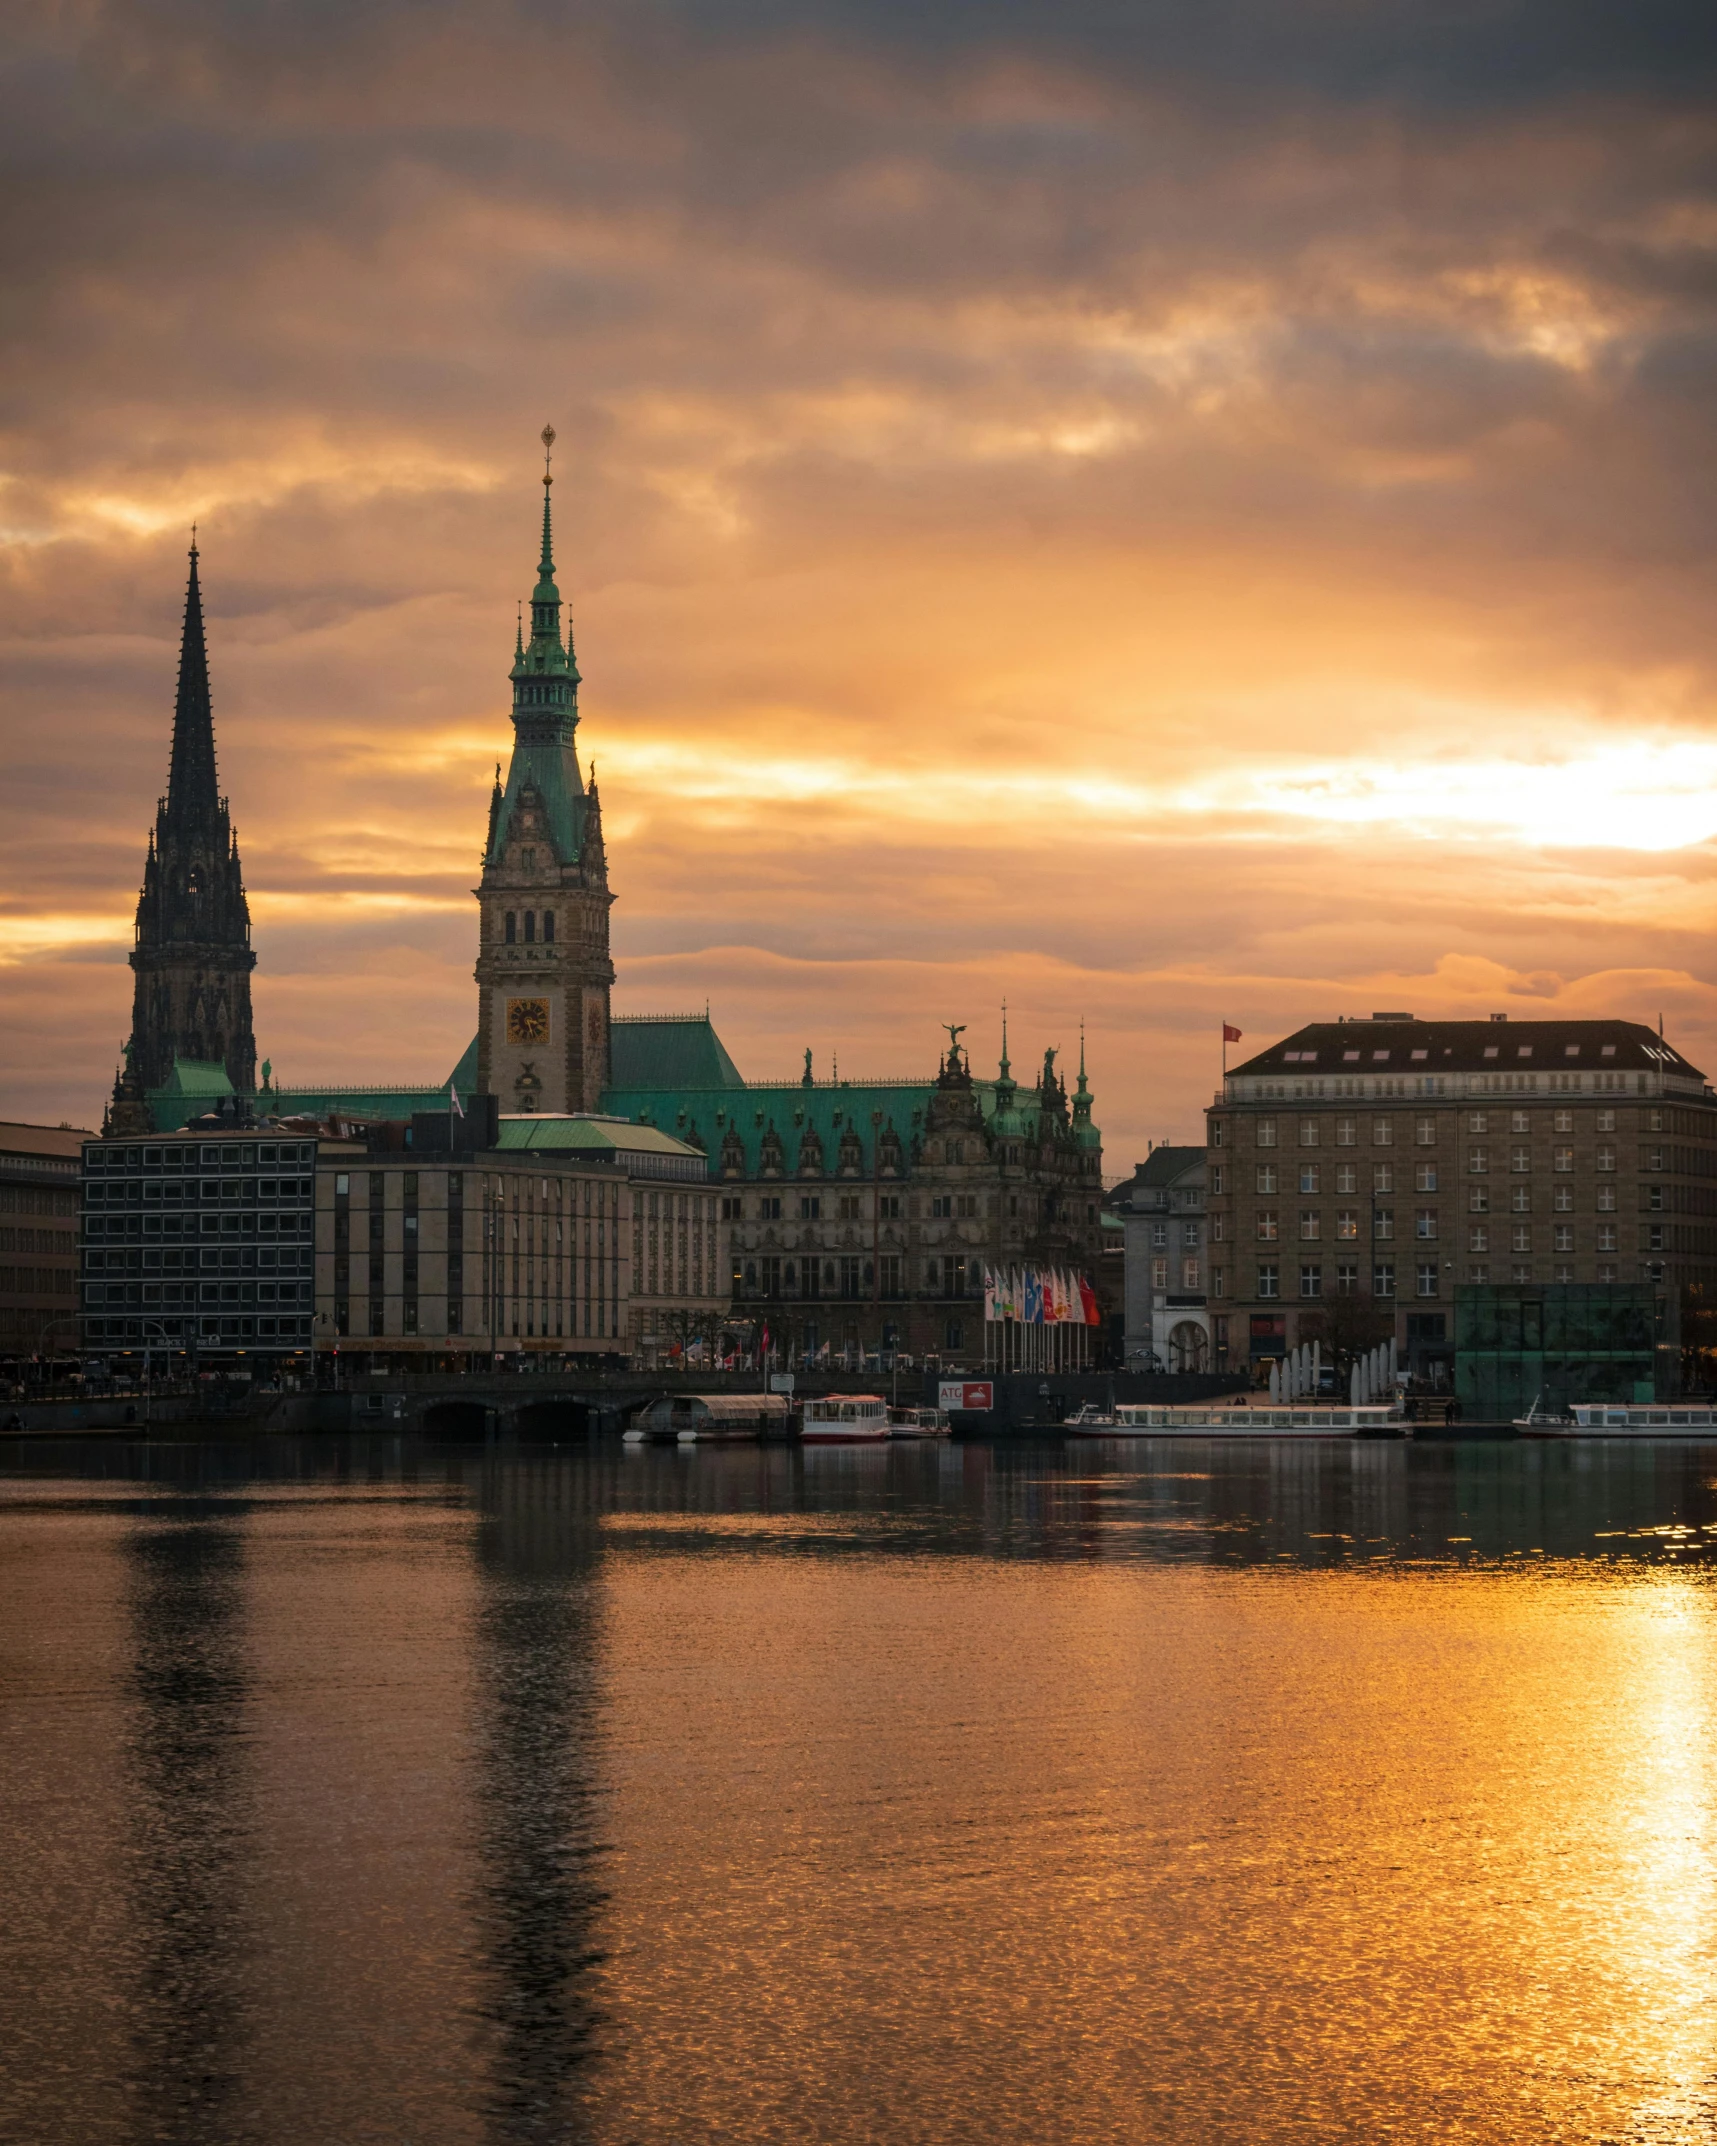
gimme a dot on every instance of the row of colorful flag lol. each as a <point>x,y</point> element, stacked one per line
<point>1039,1296</point>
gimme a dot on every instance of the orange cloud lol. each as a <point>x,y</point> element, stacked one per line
<point>1153,534</point>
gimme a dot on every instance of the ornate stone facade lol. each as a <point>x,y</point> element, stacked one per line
<point>861,1215</point>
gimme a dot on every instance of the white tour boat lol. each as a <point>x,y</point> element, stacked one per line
<point>906,1422</point>
<point>1232,1419</point>
<point>1622,1419</point>
<point>844,1419</point>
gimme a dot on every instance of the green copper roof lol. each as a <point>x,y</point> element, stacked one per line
<point>195,1079</point>
<point>667,1050</point>
<point>808,1126</point>
<point>640,1150</point>
<point>550,767</point>
<point>592,1135</point>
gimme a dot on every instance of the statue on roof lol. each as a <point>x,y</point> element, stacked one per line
<point>806,1076</point>
<point>956,1029</point>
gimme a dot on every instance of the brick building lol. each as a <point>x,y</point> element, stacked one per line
<point>1384,1161</point>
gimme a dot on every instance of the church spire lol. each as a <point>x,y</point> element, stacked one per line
<point>193,790</point>
<point>192,958</point>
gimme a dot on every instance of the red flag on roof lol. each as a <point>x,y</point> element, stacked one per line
<point>1230,1035</point>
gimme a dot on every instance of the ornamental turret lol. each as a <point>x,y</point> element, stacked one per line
<point>543,968</point>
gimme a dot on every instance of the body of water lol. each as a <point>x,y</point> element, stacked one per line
<point>376,1790</point>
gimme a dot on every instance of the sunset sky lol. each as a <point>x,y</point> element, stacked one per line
<point>1158,512</point>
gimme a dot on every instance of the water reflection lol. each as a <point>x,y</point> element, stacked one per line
<point>537,1550</point>
<point>1155,1791</point>
<point>191,1824</point>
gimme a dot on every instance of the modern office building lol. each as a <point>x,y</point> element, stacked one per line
<point>200,1242</point>
<point>398,1242</point>
<point>567,1237</point>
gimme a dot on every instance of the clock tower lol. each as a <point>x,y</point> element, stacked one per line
<point>543,971</point>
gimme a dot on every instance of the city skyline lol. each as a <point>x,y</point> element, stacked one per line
<point>1151,535</point>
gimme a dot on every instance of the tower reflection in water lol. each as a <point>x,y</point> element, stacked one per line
<point>191,1823</point>
<point>538,1828</point>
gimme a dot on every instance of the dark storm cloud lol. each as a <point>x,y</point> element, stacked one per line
<point>1431,52</point>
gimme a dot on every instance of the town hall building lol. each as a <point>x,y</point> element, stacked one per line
<point>853,1216</point>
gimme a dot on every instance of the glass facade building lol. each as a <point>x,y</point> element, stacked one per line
<point>1557,1343</point>
<point>201,1242</point>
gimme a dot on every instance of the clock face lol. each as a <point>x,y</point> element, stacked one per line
<point>527,1020</point>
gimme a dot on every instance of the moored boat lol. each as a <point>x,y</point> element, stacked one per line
<point>1620,1419</point>
<point>844,1419</point>
<point>906,1422</point>
<point>1236,1419</point>
<point>690,1419</point>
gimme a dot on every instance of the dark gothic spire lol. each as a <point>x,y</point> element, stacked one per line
<point>192,957</point>
<point>193,790</point>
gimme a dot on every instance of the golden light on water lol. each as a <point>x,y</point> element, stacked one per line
<point>1658,1932</point>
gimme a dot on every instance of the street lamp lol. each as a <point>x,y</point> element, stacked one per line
<point>323,1319</point>
<point>60,1318</point>
<point>149,1326</point>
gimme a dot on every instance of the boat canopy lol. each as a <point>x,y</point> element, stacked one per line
<point>764,1411</point>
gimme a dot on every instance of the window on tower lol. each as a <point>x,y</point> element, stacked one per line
<point>530,927</point>
<point>548,927</point>
<point>512,927</point>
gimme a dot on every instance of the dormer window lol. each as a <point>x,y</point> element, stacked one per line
<point>1350,1058</point>
<point>1608,1050</point>
<point>1380,1058</point>
<point>1524,1051</point>
<point>1490,1050</point>
<point>1571,1050</point>
<point>1419,1054</point>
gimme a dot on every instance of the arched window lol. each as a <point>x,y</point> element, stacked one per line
<point>530,927</point>
<point>548,927</point>
<point>512,927</point>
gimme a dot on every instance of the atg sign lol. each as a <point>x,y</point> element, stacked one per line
<point>965,1393</point>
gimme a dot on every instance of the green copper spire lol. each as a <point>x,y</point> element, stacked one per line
<point>545,708</point>
<point>545,565</point>
<point>544,658</point>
